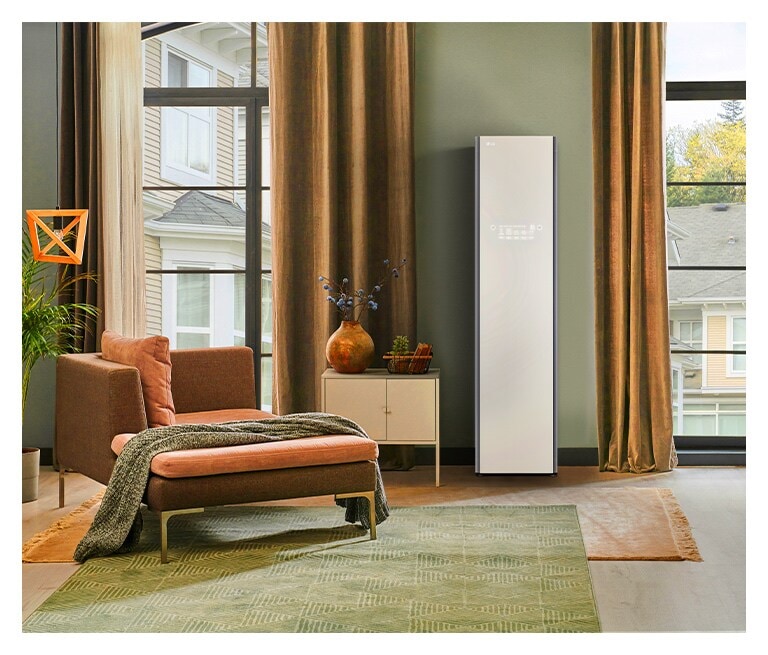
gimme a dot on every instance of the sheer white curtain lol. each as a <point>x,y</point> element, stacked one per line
<point>120,131</point>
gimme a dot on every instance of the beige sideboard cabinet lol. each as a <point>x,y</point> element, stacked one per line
<point>392,409</point>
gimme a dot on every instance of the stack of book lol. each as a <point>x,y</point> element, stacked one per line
<point>421,358</point>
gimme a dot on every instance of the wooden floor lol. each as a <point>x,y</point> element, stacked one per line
<point>654,597</point>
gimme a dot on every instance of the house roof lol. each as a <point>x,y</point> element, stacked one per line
<point>198,208</point>
<point>715,235</point>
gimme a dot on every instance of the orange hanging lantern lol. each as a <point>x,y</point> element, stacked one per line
<point>57,243</point>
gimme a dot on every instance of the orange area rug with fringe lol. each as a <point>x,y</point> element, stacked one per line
<point>617,524</point>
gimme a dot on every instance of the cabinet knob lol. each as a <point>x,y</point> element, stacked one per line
<point>387,410</point>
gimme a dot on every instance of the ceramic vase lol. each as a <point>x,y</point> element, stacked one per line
<point>350,349</point>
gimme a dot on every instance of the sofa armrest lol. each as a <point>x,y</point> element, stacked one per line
<point>205,379</point>
<point>95,400</point>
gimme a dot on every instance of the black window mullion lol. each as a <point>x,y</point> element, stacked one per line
<point>677,351</point>
<point>194,187</point>
<point>717,90</point>
<point>253,238</point>
<point>231,96</point>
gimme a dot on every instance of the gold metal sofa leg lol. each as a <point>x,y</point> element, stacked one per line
<point>164,516</point>
<point>370,495</point>
<point>61,487</point>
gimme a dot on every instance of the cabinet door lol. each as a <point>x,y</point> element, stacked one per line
<point>360,399</point>
<point>411,409</point>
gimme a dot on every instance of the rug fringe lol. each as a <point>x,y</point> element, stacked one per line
<point>62,524</point>
<point>681,528</point>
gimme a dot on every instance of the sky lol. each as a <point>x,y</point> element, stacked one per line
<point>703,51</point>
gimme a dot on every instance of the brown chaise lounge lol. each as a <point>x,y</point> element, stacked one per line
<point>100,405</point>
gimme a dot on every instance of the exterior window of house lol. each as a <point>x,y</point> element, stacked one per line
<point>239,309</point>
<point>690,333</point>
<point>716,418</point>
<point>193,310</point>
<point>207,229</point>
<point>188,133</point>
<point>738,341</point>
<point>706,123</point>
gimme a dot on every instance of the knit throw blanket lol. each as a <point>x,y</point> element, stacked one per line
<point>117,525</point>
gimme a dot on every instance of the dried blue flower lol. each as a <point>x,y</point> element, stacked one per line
<point>353,304</point>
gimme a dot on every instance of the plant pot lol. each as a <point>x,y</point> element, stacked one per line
<point>399,364</point>
<point>350,349</point>
<point>30,473</point>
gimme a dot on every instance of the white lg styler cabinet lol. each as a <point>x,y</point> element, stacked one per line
<point>515,278</point>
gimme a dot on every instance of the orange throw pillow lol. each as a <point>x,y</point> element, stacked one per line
<point>152,357</point>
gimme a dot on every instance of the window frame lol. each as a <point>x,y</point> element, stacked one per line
<point>691,91</point>
<point>253,99</point>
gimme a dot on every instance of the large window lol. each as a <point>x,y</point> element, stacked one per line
<point>706,123</point>
<point>206,188</point>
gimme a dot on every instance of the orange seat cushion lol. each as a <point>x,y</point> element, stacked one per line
<point>290,453</point>
<point>223,415</point>
<point>152,357</point>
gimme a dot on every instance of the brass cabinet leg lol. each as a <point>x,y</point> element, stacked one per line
<point>164,516</point>
<point>370,495</point>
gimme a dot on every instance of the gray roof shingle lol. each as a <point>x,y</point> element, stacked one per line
<point>198,208</point>
<point>716,237</point>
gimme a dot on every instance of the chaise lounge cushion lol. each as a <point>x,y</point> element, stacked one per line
<point>285,454</point>
<point>223,415</point>
<point>152,357</point>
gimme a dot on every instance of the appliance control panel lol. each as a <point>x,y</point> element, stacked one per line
<point>519,232</point>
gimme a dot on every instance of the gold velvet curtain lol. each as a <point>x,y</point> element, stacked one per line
<point>634,396</point>
<point>341,106</point>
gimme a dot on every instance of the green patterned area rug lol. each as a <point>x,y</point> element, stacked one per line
<point>275,569</point>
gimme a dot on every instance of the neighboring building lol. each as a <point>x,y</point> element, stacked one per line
<point>707,311</point>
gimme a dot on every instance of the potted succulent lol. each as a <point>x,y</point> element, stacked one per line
<point>400,355</point>
<point>48,329</point>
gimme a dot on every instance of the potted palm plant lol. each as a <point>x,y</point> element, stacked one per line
<point>48,329</point>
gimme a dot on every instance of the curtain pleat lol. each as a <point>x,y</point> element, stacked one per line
<point>79,170</point>
<point>634,395</point>
<point>341,105</point>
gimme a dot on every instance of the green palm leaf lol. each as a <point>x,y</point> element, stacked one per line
<point>48,328</point>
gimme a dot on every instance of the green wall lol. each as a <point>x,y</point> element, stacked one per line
<point>502,78</point>
<point>471,79</point>
<point>38,75</point>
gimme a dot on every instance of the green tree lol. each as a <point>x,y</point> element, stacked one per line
<point>713,151</point>
<point>733,112</point>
